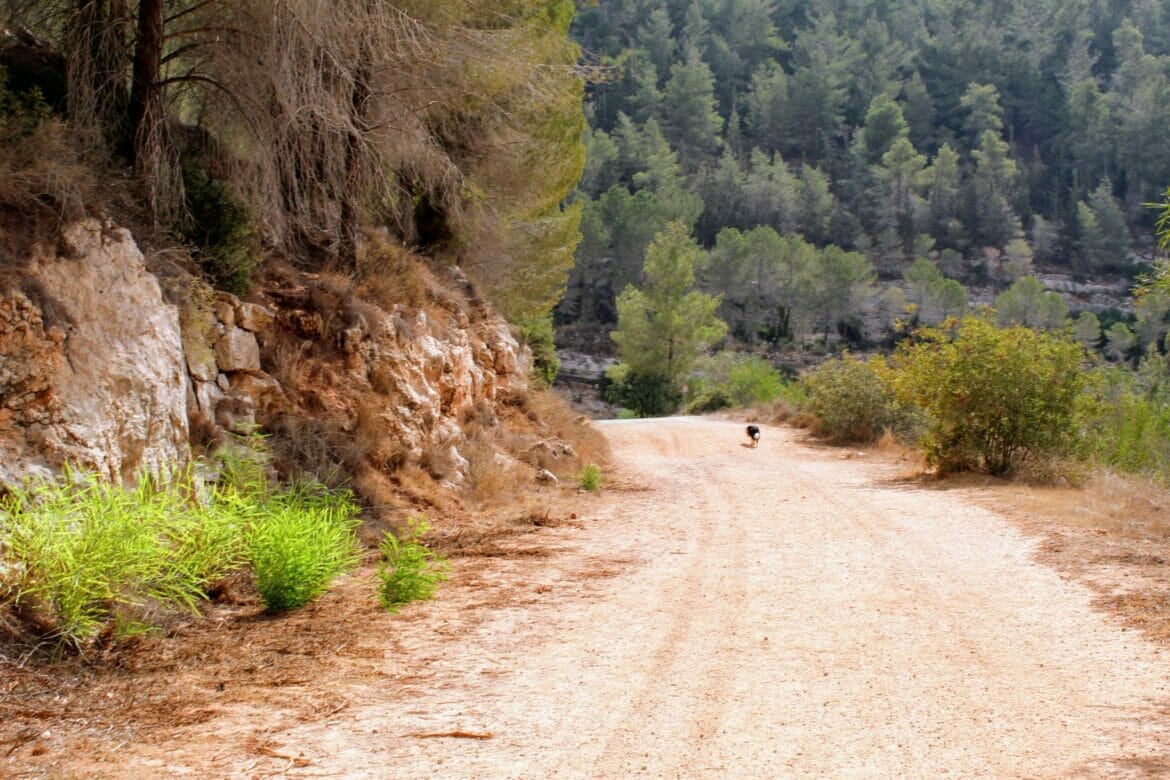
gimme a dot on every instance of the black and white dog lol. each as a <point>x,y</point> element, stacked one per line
<point>753,432</point>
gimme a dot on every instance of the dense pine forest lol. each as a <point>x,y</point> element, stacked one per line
<point>812,147</point>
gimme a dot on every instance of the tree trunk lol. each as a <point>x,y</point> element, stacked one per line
<point>148,148</point>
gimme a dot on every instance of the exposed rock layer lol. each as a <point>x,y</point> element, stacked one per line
<point>98,370</point>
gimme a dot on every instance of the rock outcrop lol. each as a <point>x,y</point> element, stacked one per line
<point>91,361</point>
<point>99,371</point>
<point>397,380</point>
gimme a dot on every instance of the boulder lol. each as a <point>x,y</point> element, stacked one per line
<point>237,350</point>
<point>253,317</point>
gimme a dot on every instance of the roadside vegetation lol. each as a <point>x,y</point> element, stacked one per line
<point>1018,385</point>
<point>85,561</point>
<point>409,571</point>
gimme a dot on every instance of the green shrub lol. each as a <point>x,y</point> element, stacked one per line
<point>300,541</point>
<point>1126,425</point>
<point>220,228</point>
<point>994,397</point>
<point>730,379</point>
<point>711,400</point>
<point>83,553</point>
<point>645,395</point>
<point>591,477</point>
<point>850,401</point>
<point>537,332</point>
<point>409,571</point>
<point>754,381</point>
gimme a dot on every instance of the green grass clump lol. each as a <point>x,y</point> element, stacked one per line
<point>82,553</point>
<point>300,542</point>
<point>410,571</point>
<point>591,477</point>
<point>81,556</point>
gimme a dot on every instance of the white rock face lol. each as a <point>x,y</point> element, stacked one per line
<point>92,370</point>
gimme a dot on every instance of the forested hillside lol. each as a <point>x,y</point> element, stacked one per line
<point>815,145</point>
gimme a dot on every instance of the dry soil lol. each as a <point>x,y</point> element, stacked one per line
<point>716,611</point>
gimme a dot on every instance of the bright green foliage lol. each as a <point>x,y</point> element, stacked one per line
<point>993,396</point>
<point>302,540</point>
<point>1127,425</point>
<point>732,379</point>
<point>84,553</point>
<point>1163,225</point>
<point>591,477</point>
<point>410,571</point>
<point>850,401</point>
<point>537,334</point>
<point>666,324</point>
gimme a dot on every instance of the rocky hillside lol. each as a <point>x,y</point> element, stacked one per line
<point>407,393</point>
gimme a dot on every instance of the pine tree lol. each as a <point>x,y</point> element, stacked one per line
<point>884,124</point>
<point>688,108</point>
<point>1104,237</point>
<point>666,324</point>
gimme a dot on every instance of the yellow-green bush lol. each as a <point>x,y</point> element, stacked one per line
<point>851,402</point>
<point>993,396</point>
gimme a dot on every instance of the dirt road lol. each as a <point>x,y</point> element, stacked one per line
<point>721,611</point>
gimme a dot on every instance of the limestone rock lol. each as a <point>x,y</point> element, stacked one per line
<point>237,350</point>
<point>200,330</point>
<point>254,317</point>
<point>92,370</point>
<point>225,310</point>
<point>263,392</point>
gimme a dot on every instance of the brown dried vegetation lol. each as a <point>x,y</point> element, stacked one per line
<point>340,429</point>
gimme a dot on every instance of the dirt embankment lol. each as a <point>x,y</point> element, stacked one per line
<point>718,611</point>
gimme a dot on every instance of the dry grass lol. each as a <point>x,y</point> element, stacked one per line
<point>562,422</point>
<point>43,176</point>
<point>779,412</point>
<point>390,274</point>
<point>492,478</point>
<point>375,445</point>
